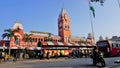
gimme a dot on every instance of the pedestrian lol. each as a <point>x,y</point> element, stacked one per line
<point>14,56</point>
<point>56,55</point>
<point>77,53</point>
<point>38,55</point>
<point>80,53</point>
<point>41,55</point>
<point>95,53</point>
<point>1,56</point>
<point>21,56</point>
<point>48,55</point>
<point>85,53</point>
<point>73,54</point>
<point>60,54</point>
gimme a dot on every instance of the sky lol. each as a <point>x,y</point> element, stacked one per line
<point>42,15</point>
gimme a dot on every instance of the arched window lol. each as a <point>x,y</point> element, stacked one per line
<point>17,41</point>
<point>33,39</point>
<point>39,39</point>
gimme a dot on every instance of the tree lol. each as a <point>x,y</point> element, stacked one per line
<point>9,33</point>
<point>27,38</point>
<point>49,37</point>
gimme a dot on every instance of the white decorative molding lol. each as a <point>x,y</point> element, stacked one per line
<point>50,43</point>
<point>17,25</point>
<point>60,43</point>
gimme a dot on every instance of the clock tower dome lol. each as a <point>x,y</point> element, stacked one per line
<point>19,34</point>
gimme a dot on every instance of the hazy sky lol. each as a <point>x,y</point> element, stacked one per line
<point>42,15</point>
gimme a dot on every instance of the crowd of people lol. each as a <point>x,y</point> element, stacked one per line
<point>19,55</point>
<point>78,53</point>
<point>3,56</point>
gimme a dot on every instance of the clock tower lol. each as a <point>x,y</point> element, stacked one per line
<point>64,26</point>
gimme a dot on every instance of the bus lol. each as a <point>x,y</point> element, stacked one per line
<point>109,47</point>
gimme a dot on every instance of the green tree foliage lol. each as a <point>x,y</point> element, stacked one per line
<point>9,33</point>
<point>27,38</point>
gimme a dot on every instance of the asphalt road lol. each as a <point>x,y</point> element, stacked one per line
<point>60,63</point>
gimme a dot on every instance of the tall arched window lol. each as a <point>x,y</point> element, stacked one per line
<point>17,41</point>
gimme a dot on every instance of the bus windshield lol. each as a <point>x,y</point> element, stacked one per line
<point>102,44</point>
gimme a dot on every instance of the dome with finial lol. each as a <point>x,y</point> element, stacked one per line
<point>17,25</point>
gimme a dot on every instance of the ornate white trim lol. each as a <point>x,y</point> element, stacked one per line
<point>16,25</point>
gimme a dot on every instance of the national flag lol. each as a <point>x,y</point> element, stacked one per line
<point>93,10</point>
<point>91,7</point>
<point>94,0</point>
<point>100,1</point>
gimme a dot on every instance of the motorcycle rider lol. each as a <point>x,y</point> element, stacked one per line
<point>97,57</point>
<point>96,53</point>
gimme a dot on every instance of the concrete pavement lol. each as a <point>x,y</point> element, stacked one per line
<point>59,63</point>
<point>35,60</point>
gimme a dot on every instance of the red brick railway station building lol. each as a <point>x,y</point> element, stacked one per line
<point>64,42</point>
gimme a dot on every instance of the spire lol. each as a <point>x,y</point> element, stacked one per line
<point>17,25</point>
<point>63,14</point>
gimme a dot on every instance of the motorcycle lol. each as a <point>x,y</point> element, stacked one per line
<point>98,60</point>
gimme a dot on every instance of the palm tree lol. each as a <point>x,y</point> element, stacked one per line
<point>49,37</point>
<point>27,38</point>
<point>9,33</point>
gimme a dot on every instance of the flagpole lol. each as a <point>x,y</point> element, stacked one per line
<point>91,21</point>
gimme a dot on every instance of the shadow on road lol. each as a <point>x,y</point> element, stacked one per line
<point>78,66</point>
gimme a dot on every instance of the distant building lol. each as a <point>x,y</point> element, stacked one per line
<point>115,38</point>
<point>101,38</point>
<point>91,38</point>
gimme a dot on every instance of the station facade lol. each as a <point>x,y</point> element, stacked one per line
<point>63,42</point>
